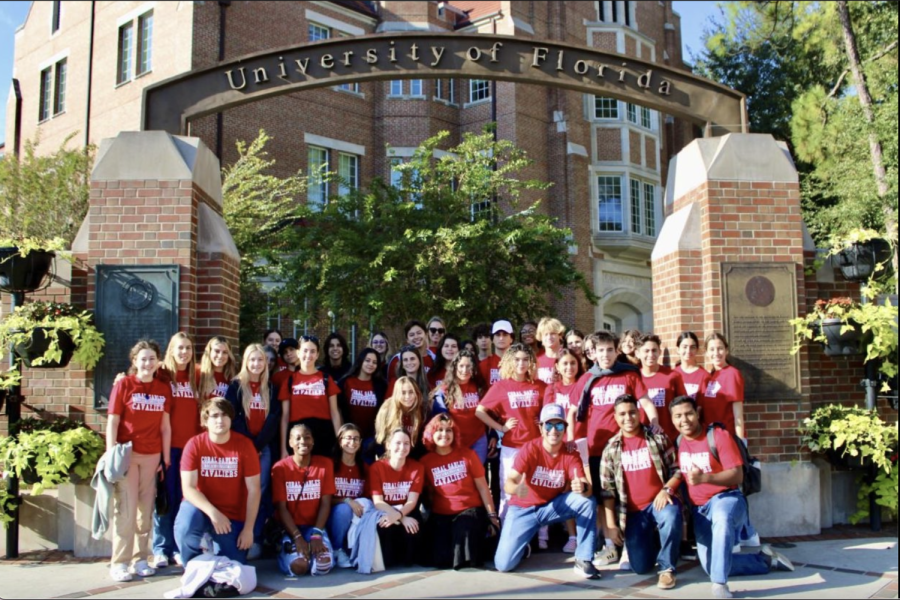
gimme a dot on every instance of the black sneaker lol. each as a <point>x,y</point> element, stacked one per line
<point>586,569</point>
<point>688,552</point>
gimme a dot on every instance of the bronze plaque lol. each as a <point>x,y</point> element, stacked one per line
<point>758,301</point>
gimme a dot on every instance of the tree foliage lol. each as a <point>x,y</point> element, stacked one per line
<point>387,254</point>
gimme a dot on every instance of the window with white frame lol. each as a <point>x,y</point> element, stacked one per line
<point>349,87</point>
<point>632,113</point>
<point>396,174</point>
<point>601,11</point>
<point>636,209</point>
<point>55,17</point>
<point>348,170</point>
<point>479,89</point>
<point>396,87</point>
<point>609,203</point>
<point>627,13</point>
<point>318,32</point>
<point>46,95</point>
<point>445,89</point>
<point>317,189</point>
<point>649,209</point>
<point>135,51</point>
<point>59,87</point>
<point>416,87</point>
<point>405,180</point>
<point>145,43</point>
<point>126,52</point>
<point>646,120</point>
<point>606,108</point>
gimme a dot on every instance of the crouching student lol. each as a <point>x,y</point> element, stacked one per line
<point>719,507</point>
<point>350,489</point>
<point>547,485</point>
<point>220,479</point>
<point>636,470</point>
<point>302,487</point>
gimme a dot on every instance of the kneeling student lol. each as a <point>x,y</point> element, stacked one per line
<point>636,470</point>
<point>302,487</point>
<point>547,485</point>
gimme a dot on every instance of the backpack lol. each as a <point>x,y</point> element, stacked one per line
<point>752,471</point>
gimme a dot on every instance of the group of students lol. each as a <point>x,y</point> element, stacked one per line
<point>590,431</point>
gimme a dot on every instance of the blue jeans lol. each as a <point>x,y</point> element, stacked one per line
<point>521,524</point>
<point>163,526</point>
<point>716,526</point>
<point>287,552</point>
<point>645,547</point>
<point>190,526</point>
<point>339,524</point>
<point>265,479</point>
<point>480,448</point>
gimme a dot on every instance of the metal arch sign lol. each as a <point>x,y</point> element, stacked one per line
<point>171,105</point>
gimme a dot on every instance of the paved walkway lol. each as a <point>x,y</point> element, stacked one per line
<point>826,568</point>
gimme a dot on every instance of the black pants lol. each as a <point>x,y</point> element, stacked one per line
<point>323,436</point>
<point>399,547</point>
<point>457,541</point>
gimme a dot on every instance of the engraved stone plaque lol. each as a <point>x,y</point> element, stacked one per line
<point>133,302</point>
<point>758,301</point>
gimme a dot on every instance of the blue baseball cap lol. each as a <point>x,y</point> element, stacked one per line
<point>553,412</point>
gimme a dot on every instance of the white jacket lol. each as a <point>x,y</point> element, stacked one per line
<point>111,469</point>
<point>219,569</point>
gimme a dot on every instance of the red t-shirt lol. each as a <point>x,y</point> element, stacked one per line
<point>509,399</point>
<point>257,415</point>
<point>302,488</point>
<point>280,377</point>
<point>140,406</point>
<point>427,363</point>
<point>396,486</point>
<point>564,395</point>
<point>546,476</point>
<point>490,370</point>
<point>725,387</point>
<point>471,429</point>
<point>221,385</point>
<point>451,478</point>
<point>349,482</point>
<point>695,453</point>
<point>546,368</point>
<point>308,396</point>
<point>662,388</point>
<point>362,404</point>
<point>221,470</point>
<point>641,478</point>
<point>694,383</point>
<point>436,378</point>
<point>601,417</point>
<point>185,410</point>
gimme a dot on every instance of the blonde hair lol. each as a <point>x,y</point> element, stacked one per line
<point>244,378</point>
<point>172,366</point>
<point>207,371</point>
<point>508,362</point>
<point>549,325</point>
<point>390,415</point>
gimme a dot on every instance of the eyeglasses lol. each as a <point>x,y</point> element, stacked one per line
<point>379,342</point>
<point>352,439</point>
<point>559,427</point>
<point>309,338</point>
<point>437,330</point>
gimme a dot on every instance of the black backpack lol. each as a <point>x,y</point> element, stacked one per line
<point>752,471</point>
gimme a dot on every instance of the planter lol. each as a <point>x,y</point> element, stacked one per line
<point>837,343</point>
<point>40,341</point>
<point>23,273</point>
<point>857,262</point>
<point>844,461</point>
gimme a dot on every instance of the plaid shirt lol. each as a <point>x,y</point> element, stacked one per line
<point>612,475</point>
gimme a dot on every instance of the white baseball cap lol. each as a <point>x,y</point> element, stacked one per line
<point>502,325</point>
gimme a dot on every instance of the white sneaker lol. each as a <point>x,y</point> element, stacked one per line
<point>605,556</point>
<point>254,552</point>
<point>736,549</point>
<point>119,572</point>
<point>571,546</point>
<point>721,591</point>
<point>624,563</point>
<point>178,560</point>
<point>753,542</point>
<point>343,561</point>
<point>142,569</point>
<point>780,562</point>
<point>159,561</point>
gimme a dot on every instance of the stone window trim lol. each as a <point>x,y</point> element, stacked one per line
<point>53,80</point>
<point>134,39</point>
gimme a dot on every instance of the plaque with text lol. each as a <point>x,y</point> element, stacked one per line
<point>133,302</point>
<point>759,299</point>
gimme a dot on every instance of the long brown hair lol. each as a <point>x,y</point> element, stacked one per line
<point>450,386</point>
<point>508,362</point>
<point>390,415</point>
<point>207,371</point>
<point>172,367</point>
<point>136,349</point>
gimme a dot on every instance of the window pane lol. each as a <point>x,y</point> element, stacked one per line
<point>348,169</point>
<point>54,19</point>
<point>145,43</point>
<point>635,206</point>
<point>126,48</point>
<point>396,87</point>
<point>628,13</point>
<point>601,11</point>
<point>606,108</point>
<point>350,87</point>
<point>317,191</point>
<point>45,98</point>
<point>609,208</point>
<point>59,94</point>
<point>650,206</point>
<point>479,89</point>
<point>415,87</point>
<point>632,113</point>
<point>318,32</point>
<point>645,118</point>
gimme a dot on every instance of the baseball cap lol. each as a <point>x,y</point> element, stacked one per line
<point>502,325</point>
<point>552,412</point>
<point>288,343</point>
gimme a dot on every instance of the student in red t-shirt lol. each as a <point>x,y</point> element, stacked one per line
<point>415,334</point>
<point>258,416</point>
<point>217,368</point>
<point>636,473</point>
<point>461,503</point>
<point>723,399</point>
<point>447,349</point>
<point>547,485</point>
<point>516,401</point>
<point>410,365</point>
<point>379,342</point>
<point>661,383</point>
<point>139,408</point>
<point>350,491</point>
<point>179,371</point>
<point>549,333</point>
<point>396,484</point>
<point>719,507</point>
<point>574,341</point>
<point>481,333</point>
<point>272,338</point>
<point>302,488</point>
<point>404,409</point>
<point>288,361</point>
<point>528,336</point>
<point>362,394</point>
<point>502,338</point>
<point>307,398</point>
<point>694,376</point>
<point>460,395</point>
<point>436,329</point>
<point>220,478</point>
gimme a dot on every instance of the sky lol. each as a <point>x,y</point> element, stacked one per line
<point>12,14</point>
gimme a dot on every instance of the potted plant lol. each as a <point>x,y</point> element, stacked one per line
<point>863,255</point>
<point>49,334</point>
<point>25,262</point>
<point>7,504</point>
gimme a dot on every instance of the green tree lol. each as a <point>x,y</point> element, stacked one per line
<point>454,238</point>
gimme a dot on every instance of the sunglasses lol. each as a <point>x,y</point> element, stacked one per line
<point>436,330</point>
<point>559,427</point>
<point>309,338</point>
<point>379,342</point>
<point>408,349</point>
